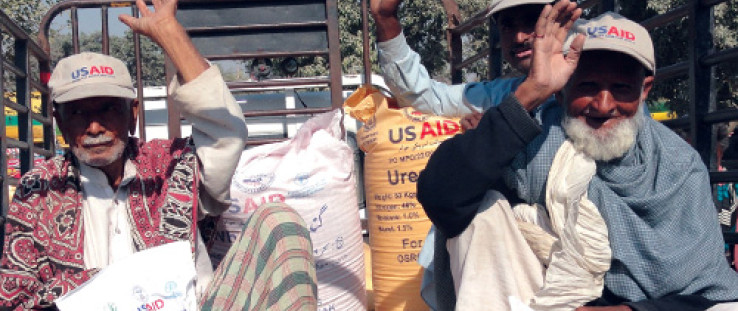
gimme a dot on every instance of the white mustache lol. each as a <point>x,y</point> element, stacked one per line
<point>102,139</point>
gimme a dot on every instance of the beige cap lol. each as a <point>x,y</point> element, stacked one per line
<point>613,32</point>
<point>89,74</point>
<point>499,5</point>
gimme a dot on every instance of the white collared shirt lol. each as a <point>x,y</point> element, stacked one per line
<point>105,213</point>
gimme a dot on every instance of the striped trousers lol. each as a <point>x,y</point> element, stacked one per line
<point>269,267</point>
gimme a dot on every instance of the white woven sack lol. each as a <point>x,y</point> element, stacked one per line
<point>314,174</point>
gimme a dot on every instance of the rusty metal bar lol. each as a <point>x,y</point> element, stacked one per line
<point>671,71</point>
<point>721,177</point>
<point>17,107</point>
<point>43,120</point>
<point>12,181</point>
<point>280,83</point>
<point>455,56</point>
<point>723,115</point>
<point>14,143</point>
<point>494,59</point>
<point>139,80</point>
<point>75,30</point>
<point>263,141</point>
<point>14,69</point>
<point>19,33</point>
<point>334,60</point>
<point>23,96</point>
<point>268,113</point>
<point>469,24</point>
<point>679,123</point>
<point>254,27</point>
<point>702,82</point>
<point>44,152</point>
<point>39,87</point>
<point>727,55</point>
<point>668,17</point>
<point>105,34</point>
<point>268,55</point>
<point>452,12</point>
<point>4,189</point>
<point>472,59</point>
<point>365,43</point>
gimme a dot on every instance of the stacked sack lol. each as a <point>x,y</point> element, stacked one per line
<point>314,174</point>
<point>398,144</point>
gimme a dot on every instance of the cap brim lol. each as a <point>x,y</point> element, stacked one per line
<point>511,4</point>
<point>95,90</point>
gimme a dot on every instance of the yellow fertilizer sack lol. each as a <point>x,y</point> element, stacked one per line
<point>397,143</point>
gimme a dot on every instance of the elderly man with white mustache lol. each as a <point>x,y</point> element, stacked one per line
<point>112,196</point>
<point>588,206</point>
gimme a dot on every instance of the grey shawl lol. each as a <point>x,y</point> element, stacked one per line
<point>656,201</point>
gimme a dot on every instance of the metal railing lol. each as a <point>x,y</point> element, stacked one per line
<point>234,30</point>
<point>221,30</point>
<point>22,61</point>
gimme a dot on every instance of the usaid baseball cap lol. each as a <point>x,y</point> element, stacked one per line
<point>612,32</point>
<point>499,5</point>
<point>90,74</point>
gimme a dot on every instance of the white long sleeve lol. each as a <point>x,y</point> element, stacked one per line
<point>411,85</point>
<point>218,131</point>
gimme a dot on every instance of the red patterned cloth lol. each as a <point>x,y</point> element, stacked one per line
<point>44,249</point>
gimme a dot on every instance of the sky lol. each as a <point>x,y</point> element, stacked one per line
<point>91,21</point>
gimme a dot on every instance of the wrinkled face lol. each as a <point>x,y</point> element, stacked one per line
<point>603,100</point>
<point>516,26</point>
<point>97,128</point>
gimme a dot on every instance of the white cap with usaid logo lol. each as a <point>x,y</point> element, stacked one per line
<point>613,32</point>
<point>90,74</point>
<point>500,5</point>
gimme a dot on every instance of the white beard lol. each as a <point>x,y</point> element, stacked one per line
<point>603,144</point>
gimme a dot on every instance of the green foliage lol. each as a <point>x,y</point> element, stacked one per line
<point>26,13</point>
<point>672,46</point>
<point>122,47</point>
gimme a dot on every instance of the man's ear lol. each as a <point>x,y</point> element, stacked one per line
<point>133,122</point>
<point>647,84</point>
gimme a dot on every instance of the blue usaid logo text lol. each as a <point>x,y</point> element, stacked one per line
<point>92,71</point>
<point>610,32</point>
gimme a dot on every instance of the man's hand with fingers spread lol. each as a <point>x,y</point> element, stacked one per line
<point>551,69</point>
<point>162,27</point>
<point>151,24</point>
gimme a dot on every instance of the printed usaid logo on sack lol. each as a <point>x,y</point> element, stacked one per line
<point>414,115</point>
<point>307,185</point>
<point>610,32</point>
<point>254,183</point>
<point>92,71</point>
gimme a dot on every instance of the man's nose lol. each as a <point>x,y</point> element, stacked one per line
<point>604,104</point>
<point>95,127</point>
<point>523,34</point>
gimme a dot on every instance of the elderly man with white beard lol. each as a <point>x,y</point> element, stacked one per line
<point>585,205</point>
